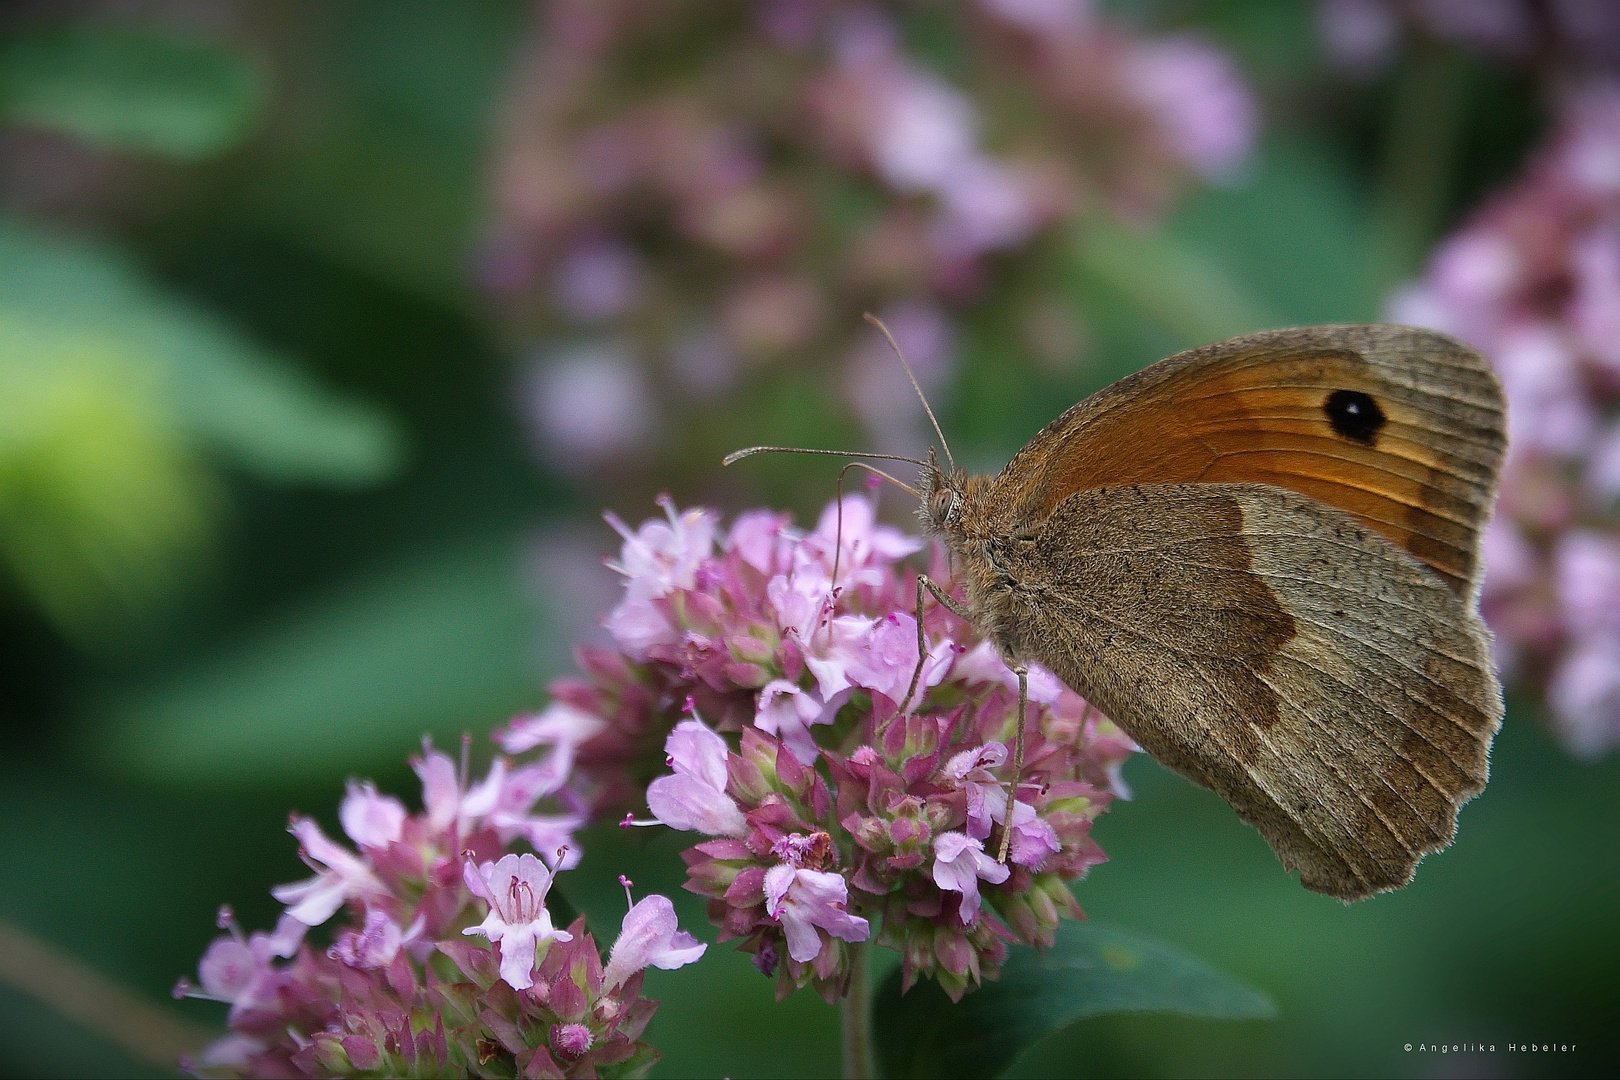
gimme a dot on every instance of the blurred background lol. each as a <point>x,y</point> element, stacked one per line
<point>327,332</point>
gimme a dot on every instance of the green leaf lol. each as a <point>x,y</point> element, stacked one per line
<point>387,171</point>
<point>1090,971</point>
<point>441,643</point>
<point>1297,237</point>
<point>220,387</point>
<point>110,391</point>
<point>1190,295</point>
<point>131,88</point>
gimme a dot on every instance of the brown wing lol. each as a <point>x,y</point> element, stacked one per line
<point>1320,679</point>
<point>1401,428</point>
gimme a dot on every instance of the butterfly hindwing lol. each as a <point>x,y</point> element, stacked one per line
<point>1338,694</point>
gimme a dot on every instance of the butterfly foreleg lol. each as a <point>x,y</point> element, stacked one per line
<point>950,603</point>
<point>1018,761</point>
<point>922,649</point>
<point>946,600</point>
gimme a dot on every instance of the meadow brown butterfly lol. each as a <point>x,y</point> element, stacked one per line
<point>1261,559</point>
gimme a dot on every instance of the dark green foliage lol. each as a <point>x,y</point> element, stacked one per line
<point>1090,971</point>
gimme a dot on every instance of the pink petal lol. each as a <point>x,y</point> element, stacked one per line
<point>371,819</point>
<point>803,943</point>
<point>699,752</point>
<point>517,957</point>
<point>560,724</point>
<point>313,900</point>
<point>441,793</point>
<point>684,803</point>
<point>650,936</point>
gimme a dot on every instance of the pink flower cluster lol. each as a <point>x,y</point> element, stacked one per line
<point>673,205</point>
<point>403,990</point>
<point>1363,35</point>
<point>845,810</point>
<point>1533,281</point>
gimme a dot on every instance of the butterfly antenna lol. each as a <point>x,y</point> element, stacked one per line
<point>737,455</point>
<point>884,330</point>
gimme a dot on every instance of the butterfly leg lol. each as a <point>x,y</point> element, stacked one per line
<point>946,600</point>
<point>1018,761</point>
<point>949,601</point>
<point>922,649</point>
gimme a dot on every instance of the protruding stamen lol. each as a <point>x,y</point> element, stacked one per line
<point>629,821</point>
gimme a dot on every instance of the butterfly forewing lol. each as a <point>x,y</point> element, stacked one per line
<point>1401,428</point>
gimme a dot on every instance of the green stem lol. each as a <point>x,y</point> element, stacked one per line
<point>856,1013</point>
<point>1420,149</point>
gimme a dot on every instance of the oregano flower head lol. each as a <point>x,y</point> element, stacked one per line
<point>755,701</point>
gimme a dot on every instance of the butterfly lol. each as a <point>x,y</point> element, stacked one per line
<point>1261,559</point>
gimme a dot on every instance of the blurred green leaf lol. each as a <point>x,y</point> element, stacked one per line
<point>131,88</point>
<point>1167,280</point>
<point>1421,145</point>
<point>387,170</point>
<point>220,386</point>
<point>1090,971</point>
<point>101,501</point>
<point>1297,238</point>
<point>110,389</point>
<point>441,643</point>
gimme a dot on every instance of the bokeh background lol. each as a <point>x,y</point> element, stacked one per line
<point>327,331</point>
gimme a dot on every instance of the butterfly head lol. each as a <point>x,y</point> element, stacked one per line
<point>945,497</point>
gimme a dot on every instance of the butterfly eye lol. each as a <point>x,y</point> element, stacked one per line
<point>944,504</point>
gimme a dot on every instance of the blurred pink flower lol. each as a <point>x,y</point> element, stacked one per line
<point>375,945</point>
<point>1533,281</point>
<point>1043,16</point>
<point>559,724</point>
<point>744,211</point>
<point>1584,693</point>
<point>370,819</point>
<point>877,387</point>
<point>1363,35</point>
<point>598,280</point>
<point>340,877</point>
<point>591,405</point>
<point>1206,114</point>
<point>240,970</point>
<point>1360,35</point>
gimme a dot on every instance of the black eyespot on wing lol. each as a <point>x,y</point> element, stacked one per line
<point>1354,415</point>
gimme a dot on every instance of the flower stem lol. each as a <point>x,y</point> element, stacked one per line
<point>857,1015</point>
